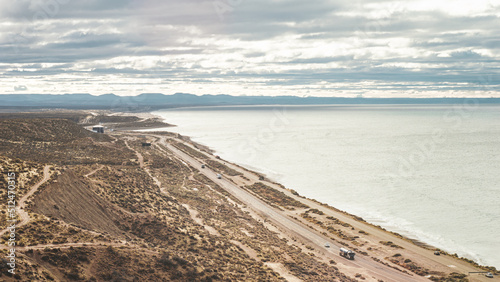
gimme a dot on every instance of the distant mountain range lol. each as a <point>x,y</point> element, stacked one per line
<point>159,101</point>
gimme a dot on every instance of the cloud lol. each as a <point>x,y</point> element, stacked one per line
<point>20,88</point>
<point>469,54</point>
<point>253,47</point>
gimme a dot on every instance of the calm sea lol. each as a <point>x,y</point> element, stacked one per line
<point>431,172</point>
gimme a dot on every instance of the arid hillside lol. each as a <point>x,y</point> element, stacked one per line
<point>73,199</point>
<point>102,204</point>
<point>57,141</point>
<point>128,206</point>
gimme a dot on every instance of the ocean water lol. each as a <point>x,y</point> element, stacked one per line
<point>430,172</point>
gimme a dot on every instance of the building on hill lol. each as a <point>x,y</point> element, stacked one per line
<point>98,129</point>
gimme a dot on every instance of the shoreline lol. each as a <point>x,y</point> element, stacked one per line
<point>226,210</point>
<point>416,232</point>
<point>414,241</point>
<point>407,237</point>
<point>388,234</point>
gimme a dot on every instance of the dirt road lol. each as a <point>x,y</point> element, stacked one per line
<point>94,171</point>
<point>23,215</point>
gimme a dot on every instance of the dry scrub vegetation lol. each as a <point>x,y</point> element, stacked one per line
<point>26,174</point>
<point>221,212</point>
<point>274,197</point>
<point>222,168</point>
<point>57,141</point>
<point>114,210</point>
<point>102,217</point>
<point>188,150</point>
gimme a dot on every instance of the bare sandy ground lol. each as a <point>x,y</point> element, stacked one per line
<point>24,217</point>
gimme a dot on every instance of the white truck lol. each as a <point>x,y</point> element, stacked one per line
<point>347,253</point>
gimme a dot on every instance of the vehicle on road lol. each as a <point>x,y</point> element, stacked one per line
<point>437,253</point>
<point>327,245</point>
<point>203,166</point>
<point>489,275</point>
<point>348,254</point>
<point>219,176</point>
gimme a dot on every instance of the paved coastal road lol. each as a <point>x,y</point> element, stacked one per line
<point>283,222</point>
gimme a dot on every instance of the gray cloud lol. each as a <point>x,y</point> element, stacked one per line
<point>20,88</point>
<point>292,43</point>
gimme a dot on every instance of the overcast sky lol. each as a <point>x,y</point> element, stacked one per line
<point>414,48</point>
